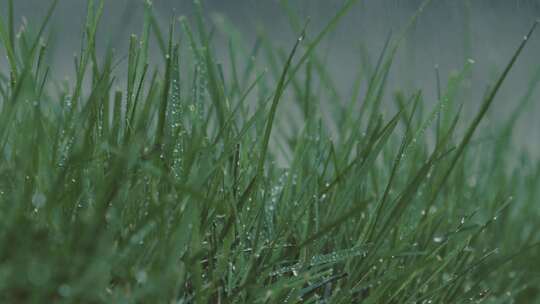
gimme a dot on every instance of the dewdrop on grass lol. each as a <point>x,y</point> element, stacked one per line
<point>438,239</point>
<point>38,200</point>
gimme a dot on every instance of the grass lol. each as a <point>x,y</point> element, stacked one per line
<point>183,181</point>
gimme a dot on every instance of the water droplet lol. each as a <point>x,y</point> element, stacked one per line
<point>472,181</point>
<point>438,239</point>
<point>64,290</point>
<point>141,277</point>
<point>39,200</point>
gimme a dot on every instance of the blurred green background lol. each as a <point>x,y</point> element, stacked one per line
<point>447,33</point>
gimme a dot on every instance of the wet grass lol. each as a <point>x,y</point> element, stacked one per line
<point>190,181</point>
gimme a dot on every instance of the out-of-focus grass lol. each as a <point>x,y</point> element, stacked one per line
<point>165,186</point>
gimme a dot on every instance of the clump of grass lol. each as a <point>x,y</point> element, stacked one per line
<point>184,183</point>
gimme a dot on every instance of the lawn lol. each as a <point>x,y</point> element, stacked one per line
<point>181,179</point>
